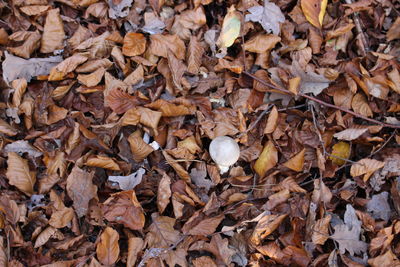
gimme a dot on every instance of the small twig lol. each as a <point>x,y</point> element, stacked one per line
<point>322,102</point>
<point>360,33</point>
<point>384,144</point>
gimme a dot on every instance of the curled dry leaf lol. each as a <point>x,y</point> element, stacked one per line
<point>81,189</point>
<point>272,121</point>
<point>360,105</point>
<point>62,69</point>
<point>102,162</point>
<point>177,167</point>
<point>297,162</point>
<point>321,230</point>
<point>124,208</point>
<point>107,249</point>
<point>265,226</point>
<point>314,11</point>
<point>7,129</point>
<point>267,159</point>
<point>187,21</point>
<point>19,175</point>
<point>366,167</point>
<point>350,134</point>
<point>120,101</point>
<point>135,246</point>
<point>53,34</point>
<point>262,43</point>
<point>31,43</point>
<point>161,45</point>
<point>130,181</point>
<point>194,55</point>
<point>44,236</point>
<point>140,149</point>
<point>134,44</point>
<point>93,78</point>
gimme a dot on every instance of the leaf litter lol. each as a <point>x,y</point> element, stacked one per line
<point>109,109</point>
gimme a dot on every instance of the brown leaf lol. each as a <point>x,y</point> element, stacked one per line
<point>272,250</point>
<point>314,11</point>
<point>120,101</point>
<point>93,78</point>
<point>262,43</point>
<point>68,65</point>
<point>32,42</point>
<point>34,10</point>
<point>140,149</point>
<point>107,249</point>
<point>169,109</point>
<point>321,230</point>
<point>394,31</point>
<point>161,45</point>
<point>360,105</point>
<point>177,68</point>
<point>102,162</point>
<point>387,259</point>
<point>61,218</point>
<point>265,226</point>
<point>182,173</point>
<point>267,159</point>
<point>321,192</point>
<point>55,114</point>
<point>206,226</point>
<point>135,77</point>
<point>3,255</point>
<point>163,193</point>
<point>135,245</point>
<point>272,121</point>
<point>194,55</point>
<point>81,189</point>
<point>149,118</point>
<point>134,44</point>
<point>44,236</point>
<point>7,129</point>
<point>19,86</point>
<point>297,162</point>
<point>18,173</point>
<point>124,208</point>
<point>203,261</point>
<point>53,34</point>
<point>276,199</point>
<point>191,19</point>
<point>161,232</point>
<point>366,167</point>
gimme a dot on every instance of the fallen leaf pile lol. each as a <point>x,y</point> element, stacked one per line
<point>108,109</point>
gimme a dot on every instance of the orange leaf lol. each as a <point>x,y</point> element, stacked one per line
<point>297,162</point>
<point>18,173</point>
<point>134,44</point>
<point>53,34</point>
<point>272,121</point>
<point>366,167</point>
<point>108,249</point>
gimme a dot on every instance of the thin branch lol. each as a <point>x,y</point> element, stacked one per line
<point>322,102</point>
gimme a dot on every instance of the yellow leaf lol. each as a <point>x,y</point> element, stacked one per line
<point>230,28</point>
<point>314,11</point>
<point>366,167</point>
<point>267,160</point>
<point>297,162</point>
<point>341,150</point>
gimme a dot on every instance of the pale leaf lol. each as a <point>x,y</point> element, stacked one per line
<point>130,181</point>
<point>44,236</point>
<point>119,9</point>
<point>163,193</point>
<point>53,34</point>
<point>230,28</point>
<point>270,16</point>
<point>19,175</point>
<point>350,134</point>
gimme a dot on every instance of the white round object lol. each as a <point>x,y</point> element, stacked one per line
<point>224,151</point>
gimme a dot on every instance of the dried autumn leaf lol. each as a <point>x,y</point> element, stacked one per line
<point>340,152</point>
<point>19,86</point>
<point>206,226</point>
<point>262,43</point>
<point>270,16</point>
<point>230,28</point>
<point>267,159</point>
<point>321,192</point>
<point>130,181</point>
<point>135,77</point>
<point>272,121</point>
<point>265,226</point>
<point>61,218</point>
<point>194,55</point>
<point>68,65</point>
<point>120,101</point>
<point>297,162</point>
<point>81,189</point>
<point>360,105</point>
<point>290,184</point>
<point>35,10</point>
<point>140,149</point>
<point>294,85</point>
<point>93,78</point>
<point>177,68</point>
<point>187,21</point>
<point>135,246</point>
<point>388,259</point>
<point>321,230</point>
<point>134,44</point>
<point>162,44</point>
<point>102,162</point>
<point>161,232</point>
<point>350,134</point>
<point>124,208</point>
<point>7,129</point>
<point>177,167</point>
<point>19,175</point>
<point>53,34</point>
<point>107,249</point>
<point>169,109</point>
<point>314,11</point>
<point>366,167</point>
<point>44,236</point>
<point>163,193</point>
<point>394,31</point>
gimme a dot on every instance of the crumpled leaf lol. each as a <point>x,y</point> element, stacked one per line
<point>16,67</point>
<point>119,9</point>
<point>379,207</point>
<point>366,167</point>
<point>107,249</point>
<point>102,162</point>
<point>347,234</point>
<point>53,34</point>
<point>19,175</point>
<point>130,181</point>
<point>124,208</point>
<point>81,189</point>
<point>270,16</point>
<point>350,134</point>
<point>311,82</point>
<point>61,218</point>
<point>230,28</point>
<point>314,11</point>
<point>162,44</point>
